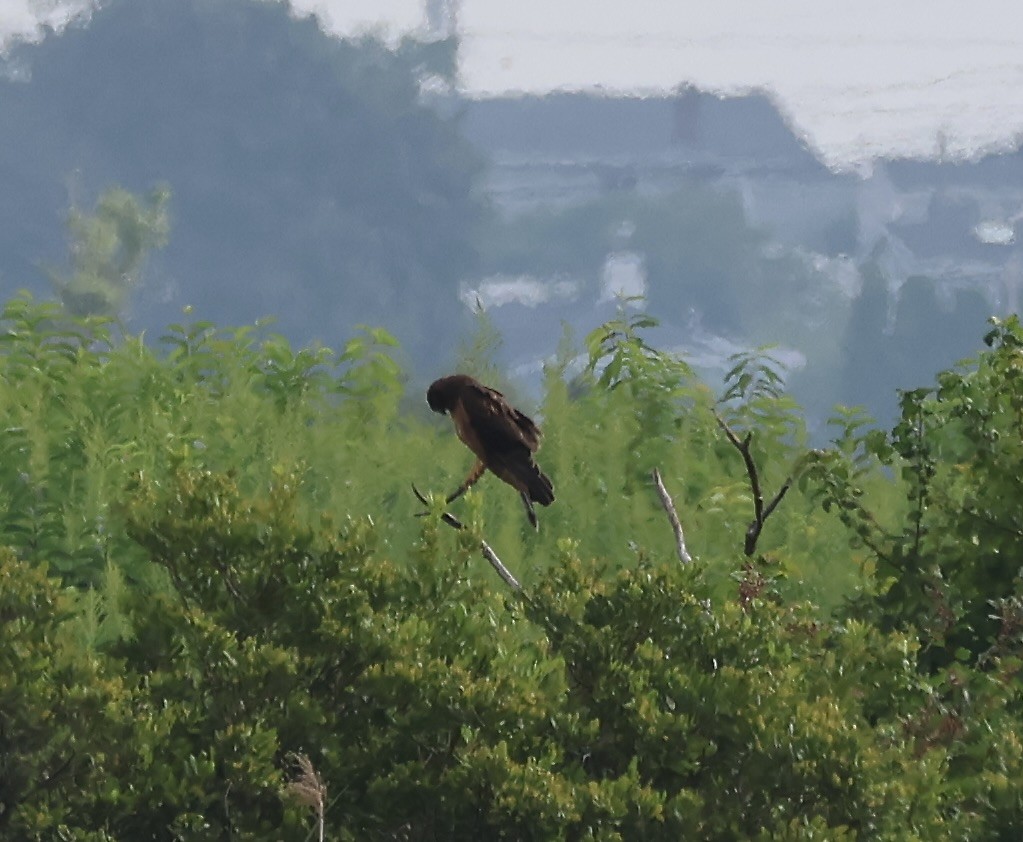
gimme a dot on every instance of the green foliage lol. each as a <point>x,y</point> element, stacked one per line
<point>108,250</point>
<point>478,353</point>
<point>215,568</point>
<point>720,711</point>
<point>66,715</point>
<point>84,415</point>
<point>946,553</point>
<point>658,390</point>
<point>754,398</point>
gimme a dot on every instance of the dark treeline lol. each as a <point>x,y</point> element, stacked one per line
<point>309,182</point>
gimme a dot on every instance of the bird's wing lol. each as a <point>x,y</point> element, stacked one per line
<point>498,426</point>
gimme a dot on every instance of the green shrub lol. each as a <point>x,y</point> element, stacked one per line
<point>220,616</point>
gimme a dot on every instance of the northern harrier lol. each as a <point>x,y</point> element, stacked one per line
<point>503,439</point>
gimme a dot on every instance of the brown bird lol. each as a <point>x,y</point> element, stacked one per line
<point>503,439</point>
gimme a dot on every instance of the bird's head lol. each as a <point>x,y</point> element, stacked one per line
<point>444,394</point>
<point>438,396</point>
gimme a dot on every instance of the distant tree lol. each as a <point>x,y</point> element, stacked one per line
<point>898,342</point>
<point>314,180</point>
<point>868,347</point>
<point>108,249</point>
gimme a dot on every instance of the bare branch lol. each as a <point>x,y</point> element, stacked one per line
<point>676,524</point>
<point>485,549</point>
<point>777,497</point>
<point>743,447</point>
<point>760,511</point>
<point>502,571</point>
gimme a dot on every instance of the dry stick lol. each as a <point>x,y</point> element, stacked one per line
<point>760,512</point>
<point>676,524</point>
<point>488,553</point>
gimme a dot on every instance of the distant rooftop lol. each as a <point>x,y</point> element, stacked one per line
<point>690,124</point>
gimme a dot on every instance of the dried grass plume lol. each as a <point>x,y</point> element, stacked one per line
<point>308,789</point>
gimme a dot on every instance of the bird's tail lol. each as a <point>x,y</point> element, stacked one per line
<point>526,476</point>
<point>540,489</point>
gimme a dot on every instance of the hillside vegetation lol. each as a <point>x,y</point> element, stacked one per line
<point>221,617</point>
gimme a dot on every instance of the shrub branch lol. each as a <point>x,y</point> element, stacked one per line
<point>488,553</point>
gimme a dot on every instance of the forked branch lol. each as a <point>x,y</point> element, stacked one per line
<point>760,512</point>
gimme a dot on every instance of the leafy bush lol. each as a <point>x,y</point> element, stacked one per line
<point>947,554</point>
<point>221,617</point>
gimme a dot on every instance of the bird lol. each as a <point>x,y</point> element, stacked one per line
<point>503,438</point>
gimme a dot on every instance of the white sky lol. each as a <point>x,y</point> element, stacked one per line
<point>859,77</point>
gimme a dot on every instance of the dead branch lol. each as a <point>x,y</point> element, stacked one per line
<point>676,524</point>
<point>485,549</point>
<point>760,511</point>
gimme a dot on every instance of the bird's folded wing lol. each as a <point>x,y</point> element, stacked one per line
<point>496,424</point>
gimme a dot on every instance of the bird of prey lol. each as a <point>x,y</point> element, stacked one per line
<point>503,439</point>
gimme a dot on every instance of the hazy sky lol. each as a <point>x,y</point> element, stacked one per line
<point>858,78</point>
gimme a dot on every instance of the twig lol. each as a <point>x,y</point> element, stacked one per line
<point>760,511</point>
<point>488,553</point>
<point>777,497</point>
<point>990,521</point>
<point>447,517</point>
<point>227,807</point>
<point>676,524</point>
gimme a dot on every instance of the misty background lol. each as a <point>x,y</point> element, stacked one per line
<point>412,166</point>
